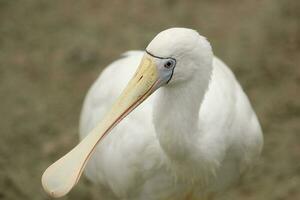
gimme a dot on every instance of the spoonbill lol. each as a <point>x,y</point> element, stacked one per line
<point>191,139</point>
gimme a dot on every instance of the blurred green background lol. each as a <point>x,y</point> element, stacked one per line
<point>52,51</point>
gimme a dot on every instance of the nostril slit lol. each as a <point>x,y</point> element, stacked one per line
<point>140,78</point>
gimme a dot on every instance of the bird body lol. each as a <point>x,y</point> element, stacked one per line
<point>190,139</point>
<point>229,133</point>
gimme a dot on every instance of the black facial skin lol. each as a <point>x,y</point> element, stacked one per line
<point>170,63</point>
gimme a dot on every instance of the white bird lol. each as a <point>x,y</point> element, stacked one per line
<point>190,139</point>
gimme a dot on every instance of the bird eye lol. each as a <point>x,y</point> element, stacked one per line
<point>169,64</point>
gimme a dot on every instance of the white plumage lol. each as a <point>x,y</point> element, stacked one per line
<point>190,139</point>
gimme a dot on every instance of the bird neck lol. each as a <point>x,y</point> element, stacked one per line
<point>176,117</point>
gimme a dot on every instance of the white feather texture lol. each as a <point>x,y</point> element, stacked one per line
<point>192,137</point>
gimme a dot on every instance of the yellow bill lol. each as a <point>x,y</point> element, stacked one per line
<point>61,176</point>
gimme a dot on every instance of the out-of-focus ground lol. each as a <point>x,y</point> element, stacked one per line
<point>51,52</point>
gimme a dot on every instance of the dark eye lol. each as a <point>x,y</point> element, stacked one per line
<point>169,64</point>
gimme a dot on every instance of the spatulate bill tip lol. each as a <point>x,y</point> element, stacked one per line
<point>53,187</point>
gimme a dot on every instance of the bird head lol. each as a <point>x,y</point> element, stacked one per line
<point>191,52</point>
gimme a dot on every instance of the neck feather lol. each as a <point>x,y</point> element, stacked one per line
<point>176,117</point>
